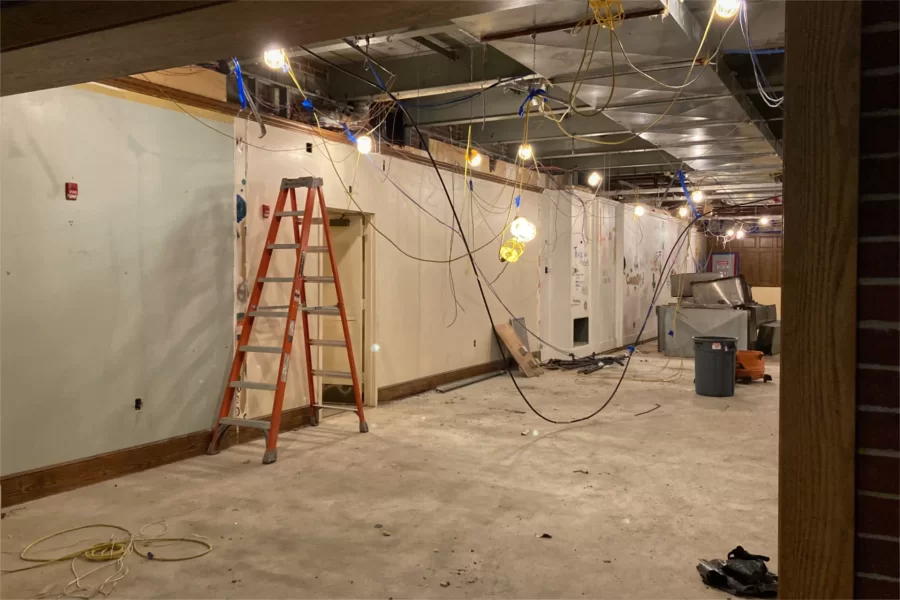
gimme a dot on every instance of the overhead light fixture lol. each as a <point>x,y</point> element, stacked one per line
<point>726,9</point>
<point>639,210</point>
<point>697,197</point>
<point>522,229</point>
<point>473,157</point>
<point>594,179</point>
<point>683,212</point>
<point>525,153</point>
<point>364,144</point>
<point>274,59</point>
<point>740,234</point>
<point>729,233</point>
<point>764,220</point>
<point>511,250</point>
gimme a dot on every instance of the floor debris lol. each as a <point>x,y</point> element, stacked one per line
<point>545,536</point>
<point>742,574</point>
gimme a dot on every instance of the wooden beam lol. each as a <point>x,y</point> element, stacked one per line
<point>208,33</point>
<point>818,373</point>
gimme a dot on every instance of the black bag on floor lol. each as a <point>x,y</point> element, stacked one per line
<point>742,574</point>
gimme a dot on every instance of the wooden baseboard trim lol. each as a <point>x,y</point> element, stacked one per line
<point>412,387</point>
<point>47,481</point>
<point>55,479</point>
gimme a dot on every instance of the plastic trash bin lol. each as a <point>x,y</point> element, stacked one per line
<point>714,365</point>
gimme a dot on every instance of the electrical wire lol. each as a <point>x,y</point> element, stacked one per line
<point>475,268</point>
<point>111,553</point>
<point>762,83</point>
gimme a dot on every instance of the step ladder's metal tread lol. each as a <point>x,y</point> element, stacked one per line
<point>265,349</point>
<point>253,385</point>
<point>275,279</point>
<point>321,310</point>
<point>337,407</point>
<point>298,182</point>
<point>252,423</point>
<point>274,307</point>
<point>282,246</point>
<point>277,314</point>
<point>319,279</point>
<point>289,213</point>
<point>335,374</point>
<point>331,343</point>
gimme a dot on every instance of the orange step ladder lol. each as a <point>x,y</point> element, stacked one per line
<point>302,223</point>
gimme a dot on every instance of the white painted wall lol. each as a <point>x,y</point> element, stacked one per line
<point>122,294</point>
<point>645,244</point>
<point>415,326</point>
<point>130,291</point>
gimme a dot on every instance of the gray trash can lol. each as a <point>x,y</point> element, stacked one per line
<point>714,364</point>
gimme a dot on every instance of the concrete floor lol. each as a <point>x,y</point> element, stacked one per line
<point>462,493</point>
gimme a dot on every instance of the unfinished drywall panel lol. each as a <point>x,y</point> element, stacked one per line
<point>415,330</point>
<point>646,243</point>
<point>603,323</point>
<point>124,293</point>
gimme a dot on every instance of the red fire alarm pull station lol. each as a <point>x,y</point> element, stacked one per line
<point>71,191</point>
<point>265,211</point>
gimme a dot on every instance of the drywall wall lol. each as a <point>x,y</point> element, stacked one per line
<point>419,329</point>
<point>124,293</point>
<point>578,234</point>
<point>646,242</point>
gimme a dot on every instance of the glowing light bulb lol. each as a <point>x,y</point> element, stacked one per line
<point>364,144</point>
<point>594,179</point>
<point>473,157</point>
<point>274,59</point>
<point>375,347</point>
<point>764,220</point>
<point>727,8</point>
<point>683,212</point>
<point>511,250</point>
<point>522,229</point>
<point>639,211</point>
<point>697,196</point>
<point>525,151</point>
<point>729,233</point>
<point>740,234</point>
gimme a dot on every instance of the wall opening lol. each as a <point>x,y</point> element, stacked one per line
<point>580,331</point>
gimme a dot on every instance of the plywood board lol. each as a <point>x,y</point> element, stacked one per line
<point>520,353</point>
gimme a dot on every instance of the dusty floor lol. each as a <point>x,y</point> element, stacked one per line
<point>631,501</point>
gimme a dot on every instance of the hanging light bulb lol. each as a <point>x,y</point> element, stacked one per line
<point>364,144</point>
<point>511,250</point>
<point>697,196</point>
<point>525,151</point>
<point>740,234</point>
<point>473,157</point>
<point>726,9</point>
<point>522,229</point>
<point>729,233</point>
<point>594,179</point>
<point>274,59</point>
<point>639,210</point>
<point>683,212</point>
<point>764,220</point>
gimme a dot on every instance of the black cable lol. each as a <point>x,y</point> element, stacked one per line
<point>475,269</point>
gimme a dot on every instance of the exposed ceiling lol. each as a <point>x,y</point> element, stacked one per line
<point>717,130</point>
<point>458,65</point>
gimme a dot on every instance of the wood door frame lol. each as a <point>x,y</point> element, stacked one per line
<point>366,353</point>
<point>816,499</point>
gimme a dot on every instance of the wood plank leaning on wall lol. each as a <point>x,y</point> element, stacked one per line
<point>817,409</point>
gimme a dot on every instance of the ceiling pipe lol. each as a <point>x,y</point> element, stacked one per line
<point>660,148</point>
<point>447,89</point>
<point>507,35</point>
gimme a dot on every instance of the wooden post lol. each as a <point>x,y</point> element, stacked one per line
<point>818,378</point>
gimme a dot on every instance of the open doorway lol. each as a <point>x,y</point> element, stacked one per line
<point>352,246</point>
